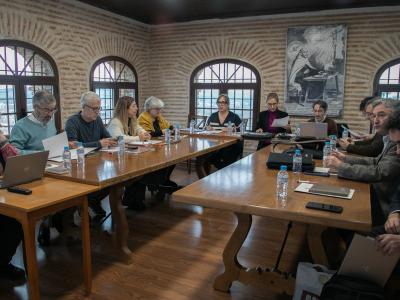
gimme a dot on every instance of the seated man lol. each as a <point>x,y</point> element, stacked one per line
<point>27,136</point>
<point>151,119</point>
<point>28,133</point>
<point>382,171</point>
<point>370,145</point>
<point>87,127</point>
<point>10,229</point>
<point>320,110</point>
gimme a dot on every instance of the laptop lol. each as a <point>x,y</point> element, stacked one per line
<point>24,168</point>
<point>314,130</point>
<point>364,261</point>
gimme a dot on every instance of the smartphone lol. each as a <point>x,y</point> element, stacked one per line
<point>324,207</point>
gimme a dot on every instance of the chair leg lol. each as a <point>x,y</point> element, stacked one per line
<point>189,166</point>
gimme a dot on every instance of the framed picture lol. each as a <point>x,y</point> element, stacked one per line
<point>315,68</point>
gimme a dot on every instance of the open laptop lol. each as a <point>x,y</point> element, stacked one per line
<point>314,129</point>
<point>24,168</point>
<point>364,261</point>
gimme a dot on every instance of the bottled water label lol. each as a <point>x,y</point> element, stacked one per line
<point>167,136</point>
<point>282,183</point>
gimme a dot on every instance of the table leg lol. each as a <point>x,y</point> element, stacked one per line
<point>232,266</point>
<point>28,225</point>
<point>86,253</point>
<point>203,167</point>
<point>121,228</point>
<point>315,244</point>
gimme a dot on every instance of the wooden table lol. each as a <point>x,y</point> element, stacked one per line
<point>106,170</point>
<point>248,188</point>
<point>48,196</point>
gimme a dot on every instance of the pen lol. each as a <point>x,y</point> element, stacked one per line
<point>306,181</point>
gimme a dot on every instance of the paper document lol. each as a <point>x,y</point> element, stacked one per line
<point>146,143</point>
<point>55,144</point>
<point>282,122</point>
<point>305,188</point>
<point>73,154</point>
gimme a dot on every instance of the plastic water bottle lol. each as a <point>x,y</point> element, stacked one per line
<point>177,132</point>
<point>326,152</point>
<point>345,133</point>
<point>282,182</point>
<point>242,128</point>
<point>80,153</point>
<point>297,131</point>
<point>67,158</point>
<point>333,140</point>
<point>121,145</point>
<point>167,136</point>
<point>191,126</point>
<point>297,162</point>
<point>230,129</point>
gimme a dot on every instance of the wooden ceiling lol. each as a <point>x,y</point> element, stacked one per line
<point>170,11</point>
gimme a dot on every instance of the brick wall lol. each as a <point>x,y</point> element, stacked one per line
<point>373,39</point>
<point>76,35</point>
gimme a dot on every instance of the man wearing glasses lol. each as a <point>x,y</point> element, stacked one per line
<point>370,145</point>
<point>28,133</point>
<point>86,126</point>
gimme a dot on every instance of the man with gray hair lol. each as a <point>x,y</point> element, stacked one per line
<point>86,126</point>
<point>28,133</point>
<point>382,171</point>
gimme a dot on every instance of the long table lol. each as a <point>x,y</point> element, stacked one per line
<point>48,196</point>
<point>248,188</point>
<point>111,170</point>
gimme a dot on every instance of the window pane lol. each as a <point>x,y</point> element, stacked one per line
<point>113,71</point>
<point>7,108</point>
<point>391,75</point>
<point>30,90</point>
<point>127,92</point>
<point>107,103</point>
<point>241,103</point>
<point>225,73</point>
<point>206,101</point>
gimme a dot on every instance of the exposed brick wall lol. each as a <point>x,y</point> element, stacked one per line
<point>176,50</point>
<point>76,35</point>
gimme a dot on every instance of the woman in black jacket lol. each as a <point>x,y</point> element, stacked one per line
<point>267,117</point>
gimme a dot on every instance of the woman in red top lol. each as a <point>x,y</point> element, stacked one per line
<point>10,229</point>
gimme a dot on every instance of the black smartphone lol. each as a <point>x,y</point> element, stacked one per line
<point>324,207</point>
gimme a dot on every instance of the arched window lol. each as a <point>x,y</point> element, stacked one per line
<point>239,80</point>
<point>24,70</point>
<point>387,81</point>
<point>113,77</point>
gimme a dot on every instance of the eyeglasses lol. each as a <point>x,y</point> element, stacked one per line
<point>94,109</point>
<point>47,110</point>
<point>222,102</point>
<point>272,104</point>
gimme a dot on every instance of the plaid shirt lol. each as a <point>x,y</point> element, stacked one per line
<point>6,151</point>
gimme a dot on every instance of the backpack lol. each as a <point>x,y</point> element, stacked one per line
<point>341,287</point>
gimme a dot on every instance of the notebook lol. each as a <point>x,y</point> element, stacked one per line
<point>329,190</point>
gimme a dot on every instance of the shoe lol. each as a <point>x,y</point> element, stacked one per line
<point>12,273</point>
<point>44,235</point>
<point>95,206</point>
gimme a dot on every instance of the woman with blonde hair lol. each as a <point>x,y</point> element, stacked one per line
<point>124,122</point>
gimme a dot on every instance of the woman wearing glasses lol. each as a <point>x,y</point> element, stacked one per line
<point>267,117</point>
<point>220,120</point>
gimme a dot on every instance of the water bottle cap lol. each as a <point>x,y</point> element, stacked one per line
<point>66,148</point>
<point>283,168</point>
<point>327,143</point>
<point>298,151</point>
<point>79,144</point>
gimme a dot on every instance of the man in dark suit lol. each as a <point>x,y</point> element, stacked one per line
<point>267,117</point>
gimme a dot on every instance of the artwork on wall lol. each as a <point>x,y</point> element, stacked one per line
<point>315,68</point>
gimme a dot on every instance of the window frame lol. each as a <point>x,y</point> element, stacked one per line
<point>224,87</point>
<point>116,86</point>
<point>378,88</point>
<point>19,81</point>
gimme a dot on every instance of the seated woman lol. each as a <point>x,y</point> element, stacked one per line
<point>221,118</point>
<point>10,229</point>
<point>151,119</point>
<point>267,117</point>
